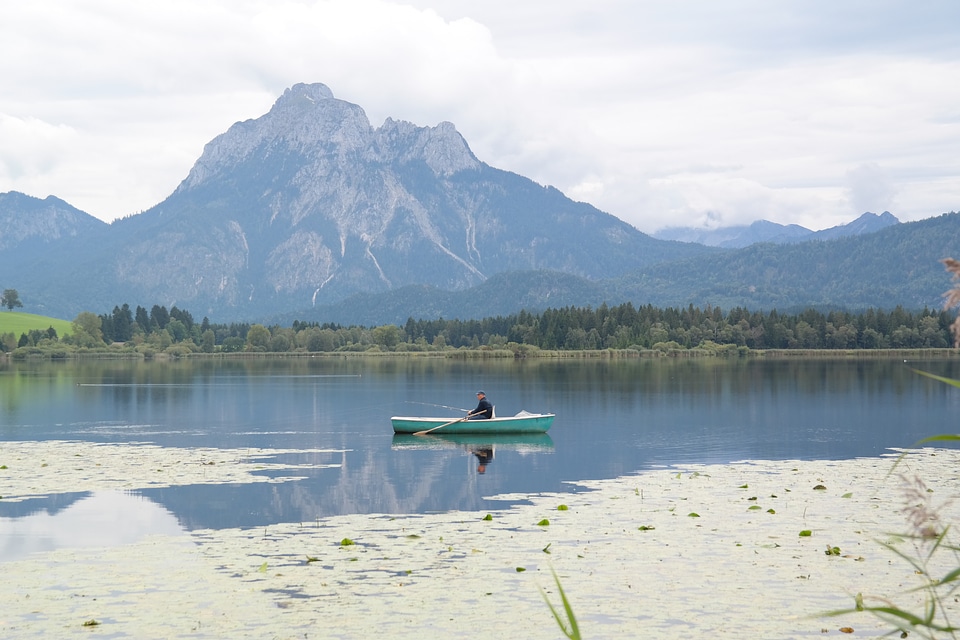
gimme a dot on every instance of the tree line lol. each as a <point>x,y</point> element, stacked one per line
<point>570,328</point>
<point>648,327</point>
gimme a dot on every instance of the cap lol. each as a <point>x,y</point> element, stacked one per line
<point>481,393</point>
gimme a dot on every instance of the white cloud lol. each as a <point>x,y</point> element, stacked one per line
<point>870,189</point>
<point>660,113</point>
<point>31,146</point>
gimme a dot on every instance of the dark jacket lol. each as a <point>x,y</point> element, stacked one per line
<point>484,410</point>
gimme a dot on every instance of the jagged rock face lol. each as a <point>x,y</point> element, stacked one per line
<point>310,204</point>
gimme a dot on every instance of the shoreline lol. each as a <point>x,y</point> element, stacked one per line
<point>690,551</point>
<point>696,353</point>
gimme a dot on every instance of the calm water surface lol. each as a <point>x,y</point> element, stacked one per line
<point>613,418</point>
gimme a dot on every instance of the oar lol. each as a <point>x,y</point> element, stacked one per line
<point>420,433</point>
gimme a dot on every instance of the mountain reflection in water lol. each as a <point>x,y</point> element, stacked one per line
<point>614,417</point>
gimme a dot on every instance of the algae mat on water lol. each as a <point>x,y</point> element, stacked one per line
<point>32,469</point>
<point>699,551</point>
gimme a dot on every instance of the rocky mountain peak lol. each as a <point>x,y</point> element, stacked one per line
<point>307,119</point>
<point>304,92</point>
<point>442,147</point>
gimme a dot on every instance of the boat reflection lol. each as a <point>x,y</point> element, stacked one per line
<point>520,442</point>
<point>483,446</point>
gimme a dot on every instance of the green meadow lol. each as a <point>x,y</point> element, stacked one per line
<point>18,323</point>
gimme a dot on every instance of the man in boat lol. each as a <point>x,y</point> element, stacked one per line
<point>484,410</point>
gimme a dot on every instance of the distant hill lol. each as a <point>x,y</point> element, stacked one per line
<point>899,265</point>
<point>740,236</point>
<point>30,227</point>
<point>500,295</point>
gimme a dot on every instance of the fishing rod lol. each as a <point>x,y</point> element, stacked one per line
<point>430,404</point>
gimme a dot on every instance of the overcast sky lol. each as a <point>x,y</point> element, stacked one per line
<point>699,113</point>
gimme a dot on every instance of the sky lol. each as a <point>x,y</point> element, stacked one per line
<point>702,113</point>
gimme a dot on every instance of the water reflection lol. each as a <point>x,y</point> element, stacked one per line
<point>520,442</point>
<point>482,446</point>
<point>484,457</point>
<point>98,519</point>
<point>614,417</point>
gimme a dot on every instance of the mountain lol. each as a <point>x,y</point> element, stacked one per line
<point>867,223</point>
<point>308,205</point>
<point>29,224</point>
<point>736,236</point>
<point>739,236</point>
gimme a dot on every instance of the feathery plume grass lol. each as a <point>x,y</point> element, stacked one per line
<point>952,297</point>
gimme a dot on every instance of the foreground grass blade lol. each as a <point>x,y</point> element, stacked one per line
<point>950,381</point>
<point>573,632</point>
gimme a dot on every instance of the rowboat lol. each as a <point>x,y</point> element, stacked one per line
<point>523,422</point>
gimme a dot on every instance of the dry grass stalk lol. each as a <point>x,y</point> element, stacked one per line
<point>921,513</point>
<point>953,296</point>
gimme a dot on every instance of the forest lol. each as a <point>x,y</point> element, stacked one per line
<point>621,327</point>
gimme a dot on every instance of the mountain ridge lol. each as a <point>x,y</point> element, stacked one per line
<point>823,274</point>
<point>740,236</point>
<point>31,221</point>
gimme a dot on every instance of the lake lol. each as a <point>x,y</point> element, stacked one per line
<point>614,417</point>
